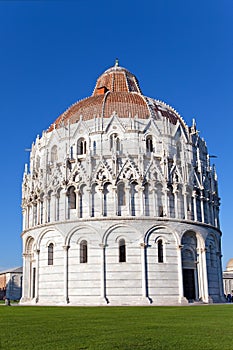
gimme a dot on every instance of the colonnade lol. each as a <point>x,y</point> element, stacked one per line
<point>108,200</point>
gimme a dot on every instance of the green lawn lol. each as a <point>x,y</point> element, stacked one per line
<point>124,328</point>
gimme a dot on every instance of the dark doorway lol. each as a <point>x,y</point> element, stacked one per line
<point>189,284</point>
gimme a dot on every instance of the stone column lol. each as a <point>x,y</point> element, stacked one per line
<point>101,190</point>
<point>202,275</point>
<point>63,205</point>
<point>208,211</point>
<point>128,199</point>
<point>144,274</point>
<point>89,202</point>
<point>185,204</point>
<point>115,200</point>
<point>45,208</point>
<point>195,205</point>
<point>103,273</point>
<point>165,190</point>
<point>78,209</point>
<point>38,212</point>
<point>202,208</point>
<point>175,191</point>
<point>37,275</point>
<point>180,274</point>
<point>66,287</point>
<point>29,216</point>
<point>155,204</point>
<point>211,212</point>
<point>141,200</point>
<point>220,276</point>
<point>24,213</point>
<point>53,204</point>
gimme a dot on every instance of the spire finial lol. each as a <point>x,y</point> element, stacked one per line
<point>116,62</point>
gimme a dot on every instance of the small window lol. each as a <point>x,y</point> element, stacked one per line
<point>72,198</point>
<point>122,251</point>
<point>41,211</point>
<point>94,147</point>
<point>81,147</point>
<point>83,252</point>
<point>121,193</point>
<point>71,152</point>
<point>160,251</point>
<point>50,254</point>
<point>149,144</point>
<point>49,206</point>
<point>160,211</point>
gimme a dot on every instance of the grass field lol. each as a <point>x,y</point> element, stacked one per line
<point>125,328</point>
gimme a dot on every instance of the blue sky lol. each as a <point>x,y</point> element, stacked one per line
<point>51,53</point>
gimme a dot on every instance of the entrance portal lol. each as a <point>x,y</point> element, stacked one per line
<point>189,284</point>
<point>189,265</point>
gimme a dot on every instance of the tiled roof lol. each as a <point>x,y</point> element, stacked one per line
<point>117,79</point>
<point>117,90</point>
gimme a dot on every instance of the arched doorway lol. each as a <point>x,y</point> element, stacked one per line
<point>29,280</point>
<point>189,266</point>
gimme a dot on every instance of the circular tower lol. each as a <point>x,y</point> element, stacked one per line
<point>120,204</point>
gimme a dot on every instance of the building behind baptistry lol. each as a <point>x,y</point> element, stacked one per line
<point>120,205</point>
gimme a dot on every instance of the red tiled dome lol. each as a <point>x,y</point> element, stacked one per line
<point>117,90</point>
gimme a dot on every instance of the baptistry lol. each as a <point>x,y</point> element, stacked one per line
<point>120,205</point>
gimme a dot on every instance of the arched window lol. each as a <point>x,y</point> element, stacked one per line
<point>83,251</point>
<point>121,196</point>
<point>114,142</point>
<point>146,199</point>
<point>149,144</point>
<point>160,251</point>
<point>54,157</point>
<point>72,198</point>
<point>105,197</point>
<point>50,254</point>
<point>81,147</point>
<point>134,199</point>
<point>122,250</point>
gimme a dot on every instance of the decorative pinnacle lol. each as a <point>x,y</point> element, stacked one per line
<point>116,62</point>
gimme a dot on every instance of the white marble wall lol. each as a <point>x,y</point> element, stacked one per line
<point>118,188</point>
